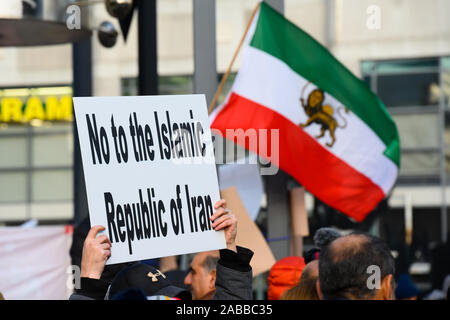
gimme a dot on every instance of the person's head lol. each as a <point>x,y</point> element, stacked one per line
<point>306,288</point>
<point>356,266</point>
<point>202,275</point>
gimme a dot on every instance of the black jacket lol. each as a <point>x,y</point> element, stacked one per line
<point>234,275</point>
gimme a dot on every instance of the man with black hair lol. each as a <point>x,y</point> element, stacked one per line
<point>356,267</point>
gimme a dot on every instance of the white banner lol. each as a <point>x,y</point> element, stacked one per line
<point>150,174</point>
<point>35,263</point>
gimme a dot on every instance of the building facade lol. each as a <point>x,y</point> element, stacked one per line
<point>401,49</point>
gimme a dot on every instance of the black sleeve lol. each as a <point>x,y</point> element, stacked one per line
<point>93,288</point>
<point>239,261</point>
<point>234,275</point>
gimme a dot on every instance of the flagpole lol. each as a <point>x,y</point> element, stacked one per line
<point>227,73</point>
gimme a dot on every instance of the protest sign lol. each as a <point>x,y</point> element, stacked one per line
<point>150,174</point>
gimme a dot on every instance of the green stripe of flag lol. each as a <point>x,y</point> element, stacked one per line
<point>282,39</point>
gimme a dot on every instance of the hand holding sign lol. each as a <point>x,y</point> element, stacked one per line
<point>96,250</point>
<point>225,219</point>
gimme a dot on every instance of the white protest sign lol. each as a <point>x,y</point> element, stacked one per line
<point>150,174</point>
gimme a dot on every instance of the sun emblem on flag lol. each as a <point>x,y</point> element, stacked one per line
<point>321,114</point>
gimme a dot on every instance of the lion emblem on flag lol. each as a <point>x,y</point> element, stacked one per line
<point>321,114</point>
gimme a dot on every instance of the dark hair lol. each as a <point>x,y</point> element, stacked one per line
<point>343,271</point>
<point>210,263</point>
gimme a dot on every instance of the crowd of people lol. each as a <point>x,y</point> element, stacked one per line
<point>339,267</point>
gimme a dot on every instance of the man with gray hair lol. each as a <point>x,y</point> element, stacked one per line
<point>201,278</point>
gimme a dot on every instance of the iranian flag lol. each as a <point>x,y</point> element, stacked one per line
<point>335,136</point>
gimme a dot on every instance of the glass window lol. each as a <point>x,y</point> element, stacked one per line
<point>409,82</point>
<point>50,185</point>
<point>414,84</point>
<point>367,67</point>
<point>446,63</point>
<point>129,86</point>
<point>420,164</point>
<point>52,150</point>
<point>418,130</point>
<point>13,151</point>
<point>446,86</point>
<point>409,89</point>
<point>13,186</point>
<point>407,66</point>
<point>176,85</point>
<point>44,140</point>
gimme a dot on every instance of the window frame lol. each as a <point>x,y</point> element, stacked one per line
<point>29,168</point>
